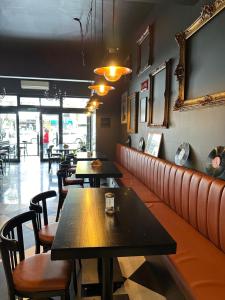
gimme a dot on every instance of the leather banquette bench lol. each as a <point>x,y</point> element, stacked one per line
<point>191,206</point>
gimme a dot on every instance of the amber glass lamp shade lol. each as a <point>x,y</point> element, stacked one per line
<point>93,103</point>
<point>112,73</point>
<point>101,89</point>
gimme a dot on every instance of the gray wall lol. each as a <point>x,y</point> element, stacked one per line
<point>202,128</point>
<point>107,137</point>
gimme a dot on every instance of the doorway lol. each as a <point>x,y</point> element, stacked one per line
<point>29,133</point>
<point>50,132</point>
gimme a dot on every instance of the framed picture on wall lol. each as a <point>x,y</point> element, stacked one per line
<point>132,113</point>
<point>144,50</point>
<point>124,108</point>
<point>153,144</point>
<point>159,95</point>
<point>143,110</point>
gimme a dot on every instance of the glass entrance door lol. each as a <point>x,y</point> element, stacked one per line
<point>50,132</point>
<point>75,129</point>
<point>29,133</point>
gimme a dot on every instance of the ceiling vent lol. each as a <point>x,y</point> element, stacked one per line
<point>34,85</point>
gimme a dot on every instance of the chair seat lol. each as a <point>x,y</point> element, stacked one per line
<point>39,273</point>
<point>47,233</point>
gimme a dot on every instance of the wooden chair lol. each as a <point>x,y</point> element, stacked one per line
<point>62,192</point>
<point>52,157</point>
<point>46,232</point>
<point>1,166</point>
<point>63,181</point>
<point>36,276</point>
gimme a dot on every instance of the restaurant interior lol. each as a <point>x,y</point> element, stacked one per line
<point>112,166</point>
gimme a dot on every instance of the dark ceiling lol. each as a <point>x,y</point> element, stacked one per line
<point>53,19</point>
<point>40,38</point>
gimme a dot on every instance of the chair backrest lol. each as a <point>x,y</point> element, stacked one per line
<point>12,243</point>
<point>39,205</point>
<point>61,175</point>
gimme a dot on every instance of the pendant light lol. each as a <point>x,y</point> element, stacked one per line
<point>112,71</point>
<point>101,89</point>
<point>93,103</point>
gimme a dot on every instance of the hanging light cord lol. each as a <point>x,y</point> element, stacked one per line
<point>82,41</point>
<point>102,23</point>
<point>113,24</point>
<point>89,18</point>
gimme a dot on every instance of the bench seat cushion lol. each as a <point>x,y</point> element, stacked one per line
<point>140,189</point>
<point>198,261</point>
<point>125,172</point>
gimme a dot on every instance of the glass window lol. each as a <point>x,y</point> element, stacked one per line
<point>75,102</point>
<point>75,129</point>
<point>30,101</point>
<point>8,101</point>
<point>8,133</point>
<point>50,102</point>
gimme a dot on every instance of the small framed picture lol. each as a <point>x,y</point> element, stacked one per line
<point>143,110</point>
<point>153,144</point>
<point>124,108</point>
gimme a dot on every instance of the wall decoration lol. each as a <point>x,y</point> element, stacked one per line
<point>153,144</point>
<point>144,50</point>
<point>132,113</point>
<point>143,109</point>
<point>128,141</point>
<point>215,165</point>
<point>141,144</point>
<point>183,70</point>
<point>128,64</point>
<point>159,95</point>
<point>182,154</point>
<point>124,108</point>
<point>105,122</point>
<point>144,85</point>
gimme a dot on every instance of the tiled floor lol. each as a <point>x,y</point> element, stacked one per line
<point>22,181</point>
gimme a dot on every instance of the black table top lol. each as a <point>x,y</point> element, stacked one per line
<point>84,169</point>
<point>61,148</point>
<point>86,231</point>
<point>94,155</point>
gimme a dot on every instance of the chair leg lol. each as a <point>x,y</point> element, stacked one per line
<point>49,166</point>
<point>60,204</point>
<point>66,296</point>
<point>75,277</point>
<point>80,264</point>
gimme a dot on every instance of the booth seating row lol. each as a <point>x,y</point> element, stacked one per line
<point>191,207</point>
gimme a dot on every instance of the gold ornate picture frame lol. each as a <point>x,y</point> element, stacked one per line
<point>132,113</point>
<point>208,12</point>
<point>166,67</point>
<point>148,34</point>
<point>124,108</point>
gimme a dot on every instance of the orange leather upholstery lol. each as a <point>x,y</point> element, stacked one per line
<point>191,206</point>
<point>199,263</point>
<point>47,233</point>
<point>29,276</point>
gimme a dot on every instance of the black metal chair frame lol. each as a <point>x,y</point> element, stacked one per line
<point>12,249</point>
<point>41,211</point>
<point>61,174</point>
<point>52,157</point>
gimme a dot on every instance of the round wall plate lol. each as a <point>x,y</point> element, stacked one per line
<point>215,165</point>
<point>182,154</point>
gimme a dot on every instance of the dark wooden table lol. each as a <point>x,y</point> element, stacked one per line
<point>84,169</point>
<point>86,231</point>
<point>94,155</point>
<point>61,148</point>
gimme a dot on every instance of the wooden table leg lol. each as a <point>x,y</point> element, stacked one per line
<point>107,278</point>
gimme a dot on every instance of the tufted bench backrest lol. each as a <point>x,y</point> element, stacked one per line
<point>196,197</point>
